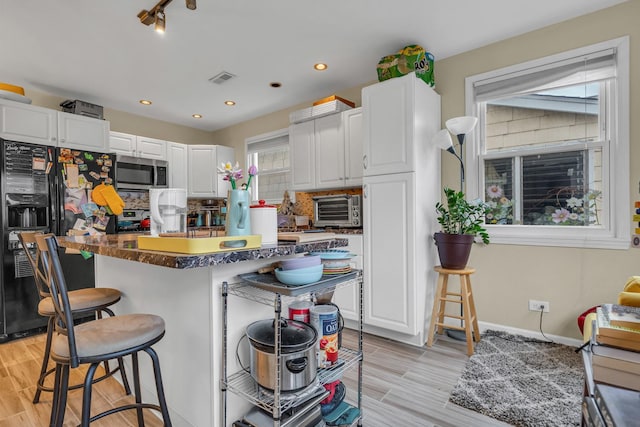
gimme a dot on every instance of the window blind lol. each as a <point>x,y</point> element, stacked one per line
<point>597,66</point>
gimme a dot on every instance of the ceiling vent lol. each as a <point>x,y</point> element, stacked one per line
<point>221,77</point>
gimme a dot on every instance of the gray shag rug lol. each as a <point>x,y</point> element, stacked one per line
<point>522,381</point>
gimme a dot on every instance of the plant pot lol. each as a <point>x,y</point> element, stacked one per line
<point>453,249</point>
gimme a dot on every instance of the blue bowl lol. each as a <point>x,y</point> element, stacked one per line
<point>300,276</point>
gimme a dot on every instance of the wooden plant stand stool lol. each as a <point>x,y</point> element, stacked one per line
<point>464,298</point>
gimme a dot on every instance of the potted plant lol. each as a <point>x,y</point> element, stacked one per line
<point>462,222</point>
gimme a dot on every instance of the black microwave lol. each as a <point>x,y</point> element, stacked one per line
<point>138,173</point>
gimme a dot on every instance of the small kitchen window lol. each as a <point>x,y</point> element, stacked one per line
<point>269,152</point>
<point>551,152</point>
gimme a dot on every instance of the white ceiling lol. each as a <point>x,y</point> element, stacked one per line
<point>99,52</point>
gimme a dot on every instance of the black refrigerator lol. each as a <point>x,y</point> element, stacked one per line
<point>46,189</point>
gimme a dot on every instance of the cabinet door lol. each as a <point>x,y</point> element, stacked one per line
<point>81,132</point>
<point>301,146</point>
<point>329,152</point>
<point>352,125</point>
<point>202,171</point>
<point>23,122</point>
<point>225,154</point>
<point>389,245</point>
<point>178,165</point>
<point>122,143</point>
<point>347,298</point>
<point>150,148</point>
<point>388,126</point>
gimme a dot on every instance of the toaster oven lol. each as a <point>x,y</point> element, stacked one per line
<point>342,210</point>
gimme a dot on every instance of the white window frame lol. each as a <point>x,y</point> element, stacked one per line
<point>616,233</point>
<point>264,138</point>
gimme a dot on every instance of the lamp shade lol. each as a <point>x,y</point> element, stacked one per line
<point>442,139</point>
<point>461,125</point>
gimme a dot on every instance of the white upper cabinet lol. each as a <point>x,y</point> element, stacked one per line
<point>178,165</point>
<point>353,137</point>
<point>327,152</point>
<point>27,123</point>
<point>85,133</point>
<point>137,146</point>
<point>302,154</point>
<point>203,179</point>
<point>392,127</point>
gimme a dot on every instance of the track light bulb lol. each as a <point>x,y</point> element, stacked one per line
<point>191,4</point>
<point>160,21</point>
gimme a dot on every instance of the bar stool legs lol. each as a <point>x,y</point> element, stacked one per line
<point>464,298</point>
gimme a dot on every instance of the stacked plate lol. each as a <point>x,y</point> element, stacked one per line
<point>335,261</point>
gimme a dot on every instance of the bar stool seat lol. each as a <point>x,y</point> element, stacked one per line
<point>83,300</point>
<point>464,298</point>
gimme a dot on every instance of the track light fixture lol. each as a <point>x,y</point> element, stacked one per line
<point>157,16</point>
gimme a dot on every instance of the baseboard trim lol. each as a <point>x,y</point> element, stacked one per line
<point>530,334</point>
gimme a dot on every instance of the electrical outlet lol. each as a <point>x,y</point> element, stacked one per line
<point>538,305</point>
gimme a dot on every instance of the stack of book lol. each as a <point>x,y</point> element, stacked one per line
<point>615,349</point>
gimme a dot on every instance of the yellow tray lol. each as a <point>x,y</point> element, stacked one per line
<point>199,245</point>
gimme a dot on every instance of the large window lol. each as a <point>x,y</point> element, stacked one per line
<point>551,150</point>
<point>270,154</point>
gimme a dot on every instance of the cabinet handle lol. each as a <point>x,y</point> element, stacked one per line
<point>365,191</point>
<point>53,138</point>
<point>364,161</point>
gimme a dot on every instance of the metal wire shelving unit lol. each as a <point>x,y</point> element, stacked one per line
<point>242,384</point>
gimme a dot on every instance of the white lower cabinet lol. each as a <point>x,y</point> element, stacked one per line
<point>203,177</point>
<point>399,256</point>
<point>347,298</point>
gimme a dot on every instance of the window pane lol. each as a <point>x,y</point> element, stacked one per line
<point>273,172</point>
<point>554,187</point>
<point>549,117</point>
<point>499,190</point>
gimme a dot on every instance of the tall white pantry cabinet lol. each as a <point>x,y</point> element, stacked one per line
<point>401,188</point>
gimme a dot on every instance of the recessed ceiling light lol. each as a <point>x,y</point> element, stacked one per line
<point>196,116</point>
<point>229,103</point>
<point>145,102</point>
<point>275,84</point>
<point>320,66</point>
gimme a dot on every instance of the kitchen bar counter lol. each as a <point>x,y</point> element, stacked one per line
<point>186,291</point>
<point>125,246</point>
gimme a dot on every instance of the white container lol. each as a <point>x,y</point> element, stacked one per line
<point>264,221</point>
<point>168,210</point>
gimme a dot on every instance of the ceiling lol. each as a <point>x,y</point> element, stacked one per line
<point>99,52</point>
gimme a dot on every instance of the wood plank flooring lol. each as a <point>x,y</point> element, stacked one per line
<point>402,386</point>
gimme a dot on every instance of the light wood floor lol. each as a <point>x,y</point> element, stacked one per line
<point>403,386</point>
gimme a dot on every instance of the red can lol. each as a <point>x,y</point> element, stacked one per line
<point>299,310</point>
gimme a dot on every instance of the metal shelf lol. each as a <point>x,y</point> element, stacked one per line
<point>249,291</point>
<point>241,383</point>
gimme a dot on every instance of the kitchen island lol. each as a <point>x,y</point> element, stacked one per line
<point>185,290</point>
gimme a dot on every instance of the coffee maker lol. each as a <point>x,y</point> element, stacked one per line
<point>168,210</point>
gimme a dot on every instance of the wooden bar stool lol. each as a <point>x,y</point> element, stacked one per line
<point>464,298</point>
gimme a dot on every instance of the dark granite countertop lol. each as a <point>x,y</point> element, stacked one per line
<point>125,246</point>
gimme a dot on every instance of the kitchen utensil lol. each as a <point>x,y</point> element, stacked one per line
<point>298,363</point>
<point>264,221</point>
<point>300,276</point>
